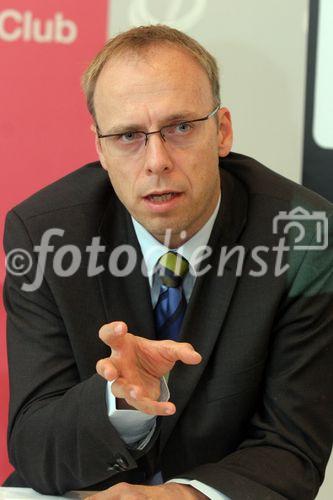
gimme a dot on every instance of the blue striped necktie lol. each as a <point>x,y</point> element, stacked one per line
<point>171,305</point>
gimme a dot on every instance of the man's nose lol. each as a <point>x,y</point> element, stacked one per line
<point>157,157</point>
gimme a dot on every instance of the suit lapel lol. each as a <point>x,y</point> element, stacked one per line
<point>125,298</point>
<point>210,299</point>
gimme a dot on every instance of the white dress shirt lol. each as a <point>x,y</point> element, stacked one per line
<point>136,428</point>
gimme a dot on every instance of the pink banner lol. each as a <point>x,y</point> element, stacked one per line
<point>44,126</point>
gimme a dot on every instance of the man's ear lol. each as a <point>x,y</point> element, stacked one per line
<point>98,147</point>
<point>225,132</point>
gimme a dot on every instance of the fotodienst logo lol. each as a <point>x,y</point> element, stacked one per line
<point>298,229</point>
<point>300,220</point>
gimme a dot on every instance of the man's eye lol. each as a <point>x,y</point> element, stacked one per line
<point>129,137</point>
<point>182,128</point>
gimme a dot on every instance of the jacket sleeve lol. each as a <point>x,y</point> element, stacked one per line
<point>289,439</point>
<point>59,434</point>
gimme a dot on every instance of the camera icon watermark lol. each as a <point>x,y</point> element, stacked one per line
<point>298,219</point>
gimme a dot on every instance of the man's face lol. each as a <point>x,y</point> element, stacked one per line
<point>146,92</point>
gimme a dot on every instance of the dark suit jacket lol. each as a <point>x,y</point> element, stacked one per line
<point>253,420</point>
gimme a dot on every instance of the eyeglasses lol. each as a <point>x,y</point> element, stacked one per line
<point>133,142</point>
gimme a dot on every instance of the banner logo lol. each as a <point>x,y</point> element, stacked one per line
<point>24,26</point>
<point>140,13</point>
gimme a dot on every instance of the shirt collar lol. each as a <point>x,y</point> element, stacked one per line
<point>152,249</point>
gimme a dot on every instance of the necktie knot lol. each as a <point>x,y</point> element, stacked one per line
<point>172,269</point>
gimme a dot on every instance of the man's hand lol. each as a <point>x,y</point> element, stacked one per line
<point>169,491</point>
<point>137,364</point>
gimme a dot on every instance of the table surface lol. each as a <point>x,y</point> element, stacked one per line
<point>29,494</point>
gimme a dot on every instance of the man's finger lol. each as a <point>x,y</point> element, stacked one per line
<point>106,369</point>
<point>134,397</point>
<point>112,334</point>
<point>151,407</point>
<point>118,388</point>
<point>187,354</point>
<point>179,351</point>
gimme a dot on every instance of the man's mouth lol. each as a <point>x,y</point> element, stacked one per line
<point>162,197</point>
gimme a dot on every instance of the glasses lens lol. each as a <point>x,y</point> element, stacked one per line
<point>182,135</point>
<point>122,145</point>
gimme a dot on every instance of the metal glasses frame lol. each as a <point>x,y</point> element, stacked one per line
<point>160,131</point>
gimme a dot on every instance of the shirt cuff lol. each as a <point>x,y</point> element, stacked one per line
<point>210,492</point>
<point>135,427</point>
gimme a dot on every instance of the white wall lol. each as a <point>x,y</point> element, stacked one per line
<point>261,48</point>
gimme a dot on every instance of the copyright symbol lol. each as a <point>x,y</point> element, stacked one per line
<point>18,262</point>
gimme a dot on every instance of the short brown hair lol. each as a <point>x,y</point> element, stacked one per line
<point>140,38</point>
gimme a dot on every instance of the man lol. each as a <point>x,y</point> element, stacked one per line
<point>220,374</point>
